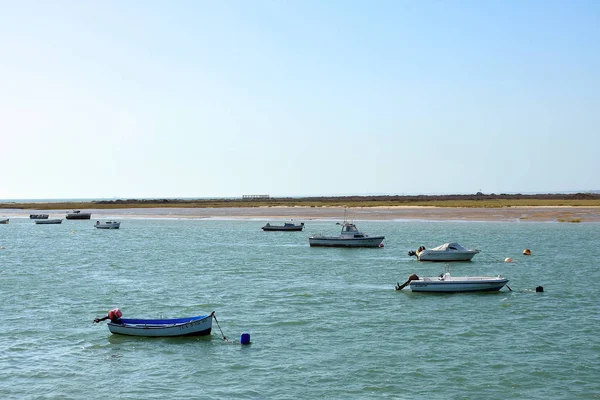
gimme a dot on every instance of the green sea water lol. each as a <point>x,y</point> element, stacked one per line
<point>324,322</point>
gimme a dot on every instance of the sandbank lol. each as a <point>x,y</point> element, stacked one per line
<point>516,214</point>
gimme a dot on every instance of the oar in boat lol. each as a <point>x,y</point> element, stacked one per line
<point>413,277</point>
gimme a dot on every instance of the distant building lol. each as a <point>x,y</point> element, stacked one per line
<point>256,197</point>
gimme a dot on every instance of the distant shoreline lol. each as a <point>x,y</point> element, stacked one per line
<point>298,213</point>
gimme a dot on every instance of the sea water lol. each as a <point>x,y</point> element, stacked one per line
<point>324,322</point>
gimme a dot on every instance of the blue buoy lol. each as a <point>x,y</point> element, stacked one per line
<point>245,338</point>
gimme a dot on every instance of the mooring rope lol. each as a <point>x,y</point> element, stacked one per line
<point>215,317</point>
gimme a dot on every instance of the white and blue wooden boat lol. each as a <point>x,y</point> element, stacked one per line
<point>190,326</point>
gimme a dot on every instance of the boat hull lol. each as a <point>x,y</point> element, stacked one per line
<point>3,221</point>
<point>444,256</point>
<point>48,221</point>
<point>457,285</point>
<point>79,216</point>
<point>282,228</point>
<point>193,326</point>
<point>38,216</point>
<point>324,241</point>
<point>111,226</point>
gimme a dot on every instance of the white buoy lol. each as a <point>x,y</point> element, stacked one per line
<point>508,259</point>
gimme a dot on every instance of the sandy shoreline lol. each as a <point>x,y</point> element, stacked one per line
<point>522,214</point>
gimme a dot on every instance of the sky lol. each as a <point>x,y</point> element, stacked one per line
<point>159,99</point>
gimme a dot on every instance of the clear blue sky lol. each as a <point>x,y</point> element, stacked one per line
<point>291,98</point>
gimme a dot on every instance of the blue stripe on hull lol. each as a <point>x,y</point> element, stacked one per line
<point>458,291</point>
<point>199,333</point>
<point>344,245</point>
<point>454,287</point>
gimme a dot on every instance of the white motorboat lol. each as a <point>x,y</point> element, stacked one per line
<point>107,225</point>
<point>48,221</point>
<point>446,252</point>
<point>445,283</point>
<point>349,237</point>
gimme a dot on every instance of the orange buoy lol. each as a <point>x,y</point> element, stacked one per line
<point>526,252</point>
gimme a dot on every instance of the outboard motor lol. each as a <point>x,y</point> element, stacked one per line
<point>115,315</point>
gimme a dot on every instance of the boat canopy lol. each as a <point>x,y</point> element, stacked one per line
<point>450,247</point>
<point>350,228</point>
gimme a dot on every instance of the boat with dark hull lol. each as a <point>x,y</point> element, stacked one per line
<point>76,214</point>
<point>286,227</point>
<point>38,216</point>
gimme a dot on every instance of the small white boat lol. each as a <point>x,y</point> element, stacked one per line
<point>48,221</point>
<point>191,326</point>
<point>446,252</point>
<point>349,237</point>
<point>107,225</point>
<point>445,283</point>
<point>286,227</point>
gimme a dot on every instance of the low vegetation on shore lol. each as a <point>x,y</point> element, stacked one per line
<point>478,200</point>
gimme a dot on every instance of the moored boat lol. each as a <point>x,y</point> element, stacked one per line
<point>286,227</point>
<point>4,221</point>
<point>191,326</point>
<point>445,283</point>
<point>446,252</point>
<point>48,221</point>
<point>107,225</point>
<point>77,214</point>
<point>38,216</point>
<point>350,236</point>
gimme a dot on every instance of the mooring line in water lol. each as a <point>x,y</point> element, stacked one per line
<point>215,317</point>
